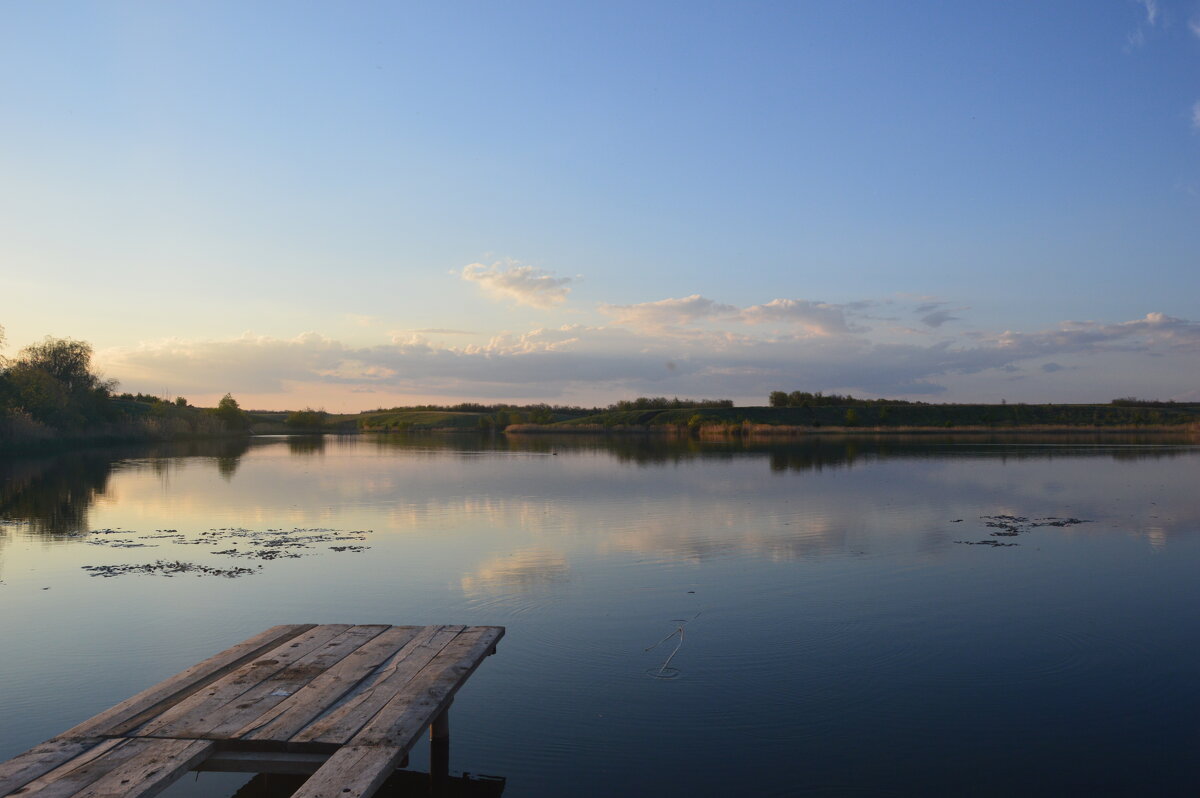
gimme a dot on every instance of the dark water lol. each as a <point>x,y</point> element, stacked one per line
<point>836,638</point>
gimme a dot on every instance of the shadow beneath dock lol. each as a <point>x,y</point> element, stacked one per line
<point>402,784</point>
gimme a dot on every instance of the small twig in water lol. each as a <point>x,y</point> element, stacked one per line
<point>673,653</point>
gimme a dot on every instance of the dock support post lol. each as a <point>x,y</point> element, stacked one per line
<point>439,752</point>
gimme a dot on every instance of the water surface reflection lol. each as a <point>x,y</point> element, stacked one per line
<point>839,640</point>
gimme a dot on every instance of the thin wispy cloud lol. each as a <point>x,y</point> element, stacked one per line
<point>1151,7</point>
<point>935,314</point>
<point>1196,115</point>
<point>668,312</point>
<point>937,318</point>
<point>1194,26</point>
<point>816,318</point>
<point>522,284</point>
<point>1137,38</point>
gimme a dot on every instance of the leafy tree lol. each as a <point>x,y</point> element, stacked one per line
<point>53,382</point>
<point>68,361</point>
<point>230,414</point>
<point>778,399</point>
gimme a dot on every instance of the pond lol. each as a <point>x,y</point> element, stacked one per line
<point>917,615</point>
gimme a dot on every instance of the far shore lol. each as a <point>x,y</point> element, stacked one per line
<point>716,431</point>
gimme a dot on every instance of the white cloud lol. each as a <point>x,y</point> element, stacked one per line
<point>818,318</point>
<point>1196,115</point>
<point>1194,26</point>
<point>667,312</point>
<point>524,285</point>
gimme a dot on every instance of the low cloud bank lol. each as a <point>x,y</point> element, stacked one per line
<point>817,348</point>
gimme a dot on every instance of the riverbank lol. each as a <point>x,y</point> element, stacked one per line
<point>885,418</point>
<point>748,430</point>
<point>20,434</point>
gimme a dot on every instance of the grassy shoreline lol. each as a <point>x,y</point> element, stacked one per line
<point>788,431</point>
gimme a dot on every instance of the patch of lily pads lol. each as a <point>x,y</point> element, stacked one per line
<point>1011,526</point>
<point>263,544</point>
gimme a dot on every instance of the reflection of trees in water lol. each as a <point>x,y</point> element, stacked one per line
<point>819,452</point>
<point>52,494</point>
<point>306,444</point>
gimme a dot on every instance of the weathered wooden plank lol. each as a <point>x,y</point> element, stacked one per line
<point>39,760</point>
<point>411,710</point>
<point>73,776</point>
<point>352,772</point>
<point>156,766</point>
<point>324,691</point>
<point>229,719</point>
<point>187,717</point>
<point>136,710</point>
<point>343,721</point>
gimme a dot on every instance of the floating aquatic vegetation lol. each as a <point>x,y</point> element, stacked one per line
<point>261,544</point>
<point>270,554</point>
<point>1011,526</point>
<point>167,568</point>
<point>995,544</point>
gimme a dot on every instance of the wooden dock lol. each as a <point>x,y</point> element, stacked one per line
<point>342,702</point>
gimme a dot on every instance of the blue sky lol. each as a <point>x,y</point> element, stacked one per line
<point>368,204</point>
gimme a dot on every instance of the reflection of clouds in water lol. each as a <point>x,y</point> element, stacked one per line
<point>519,571</point>
<point>1157,537</point>
<point>496,512</point>
<point>590,498</point>
<point>728,532</point>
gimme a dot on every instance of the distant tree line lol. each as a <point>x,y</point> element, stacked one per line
<point>479,407</point>
<point>150,399</point>
<point>308,420</point>
<point>1131,401</point>
<point>818,399</point>
<point>663,403</point>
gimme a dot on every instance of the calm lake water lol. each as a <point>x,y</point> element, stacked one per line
<point>838,638</point>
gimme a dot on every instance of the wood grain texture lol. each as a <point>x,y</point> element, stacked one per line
<point>155,766</point>
<point>128,714</point>
<point>352,772</point>
<point>328,689</point>
<point>411,711</point>
<point>73,776</point>
<point>40,760</point>
<point>187,717</point>
<point>343,721</point>
<point>225,722</point>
